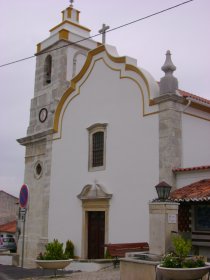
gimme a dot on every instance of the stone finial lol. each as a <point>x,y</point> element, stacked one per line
<point>168,66</point>
<point>168,84</point>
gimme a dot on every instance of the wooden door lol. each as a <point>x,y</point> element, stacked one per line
<point>96,233</point>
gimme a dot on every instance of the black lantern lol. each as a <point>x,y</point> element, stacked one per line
<point>163,191</point>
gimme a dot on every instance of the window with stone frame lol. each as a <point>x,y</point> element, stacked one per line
<point>97,147</point>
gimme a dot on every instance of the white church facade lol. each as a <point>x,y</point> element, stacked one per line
<point>102,134</point>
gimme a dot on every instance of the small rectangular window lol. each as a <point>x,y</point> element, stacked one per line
<point>202,217</point>
<point>97,147</point>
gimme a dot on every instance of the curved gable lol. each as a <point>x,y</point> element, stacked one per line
<point>127,68</point>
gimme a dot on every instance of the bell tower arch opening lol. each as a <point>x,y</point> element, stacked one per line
<point>48,70</point>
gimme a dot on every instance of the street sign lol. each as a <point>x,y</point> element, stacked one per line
<point>22,214</point>
<point>23,198</point>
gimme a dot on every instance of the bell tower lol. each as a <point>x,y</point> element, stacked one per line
<point>58,59</point>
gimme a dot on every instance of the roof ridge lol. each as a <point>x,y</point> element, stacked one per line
<point>197,191</point>
<point>182,169</point>
<point>194,96</point>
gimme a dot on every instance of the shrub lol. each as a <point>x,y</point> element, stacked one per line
<point>69,251</point>
<point>197,261</point>
<point>107,255</point>
<point>182,247</point>
<point>170,260</point>
<point>178,258</point>
<point>53,251</point>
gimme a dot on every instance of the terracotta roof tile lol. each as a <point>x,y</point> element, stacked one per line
<point>193,96</point>
<point>198,191</point>
<point>195,168</point>
<point>9,227</point>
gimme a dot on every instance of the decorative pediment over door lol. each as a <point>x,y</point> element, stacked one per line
<point>94,192</point>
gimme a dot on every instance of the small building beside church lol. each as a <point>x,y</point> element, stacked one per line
<point>194,212</point>
<point>102,133</point>
<point>8,208</point>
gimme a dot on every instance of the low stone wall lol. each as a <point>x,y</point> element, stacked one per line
<point>89,266</point>
<point>134,269</point>
<point>9,259</point>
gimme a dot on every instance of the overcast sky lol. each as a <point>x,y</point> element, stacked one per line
<point>24,23</point>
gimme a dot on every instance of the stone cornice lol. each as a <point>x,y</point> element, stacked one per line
<point>169,97</point>
<point>35,137</point>
<point>51,47</point>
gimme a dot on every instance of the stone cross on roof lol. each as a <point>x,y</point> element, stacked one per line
<point>71,2</point>
<point>103,32</point>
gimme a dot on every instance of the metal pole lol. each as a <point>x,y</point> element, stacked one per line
<point>23,241</point>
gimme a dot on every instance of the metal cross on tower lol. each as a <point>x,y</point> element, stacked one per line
<point>71,2</point>
<point>103,32</point>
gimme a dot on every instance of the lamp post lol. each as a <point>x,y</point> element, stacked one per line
<point>163,216</point>
<point>163,191</point>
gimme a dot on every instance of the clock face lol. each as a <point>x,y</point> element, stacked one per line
<point>43,115</point>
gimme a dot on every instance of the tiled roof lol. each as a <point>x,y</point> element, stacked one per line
<point>198,191</point>
<point>193,96</point>
<point>9,227</point>
<point>195,168</point>
<point>1,192</point>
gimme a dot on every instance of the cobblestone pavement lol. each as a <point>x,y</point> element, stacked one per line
<point>103,274</point>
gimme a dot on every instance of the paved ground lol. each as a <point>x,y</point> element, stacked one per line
<point>9,272</point>
<point>16,273</point>
<point>106,274</point>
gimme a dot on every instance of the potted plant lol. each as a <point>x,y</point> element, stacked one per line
<point>178,265</point>
<point>54,256</point>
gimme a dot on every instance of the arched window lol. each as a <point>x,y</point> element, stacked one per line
<point>78,61</point>
<point>48,70</point>
<point>97,147</point>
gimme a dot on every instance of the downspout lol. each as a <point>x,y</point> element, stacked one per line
<point>188,104</point>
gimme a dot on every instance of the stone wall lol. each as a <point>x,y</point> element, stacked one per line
<point>170,136</point>
<point>8,208</point>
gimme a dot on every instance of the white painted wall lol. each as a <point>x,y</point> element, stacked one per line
<point>196,139</point>
<point>72,28</point>
<point>185,178</point>
<point>70,56</point>
<point>132,160</point>
<point>80,60</point>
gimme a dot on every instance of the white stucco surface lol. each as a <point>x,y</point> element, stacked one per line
<point>185,178</point>
<point>196,139</point>
<point>72,28</point>
<point>76,59</point>
<point>148,134</point>
<point>132,160</point>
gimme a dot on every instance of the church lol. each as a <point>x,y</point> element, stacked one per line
<point>102,133</point>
